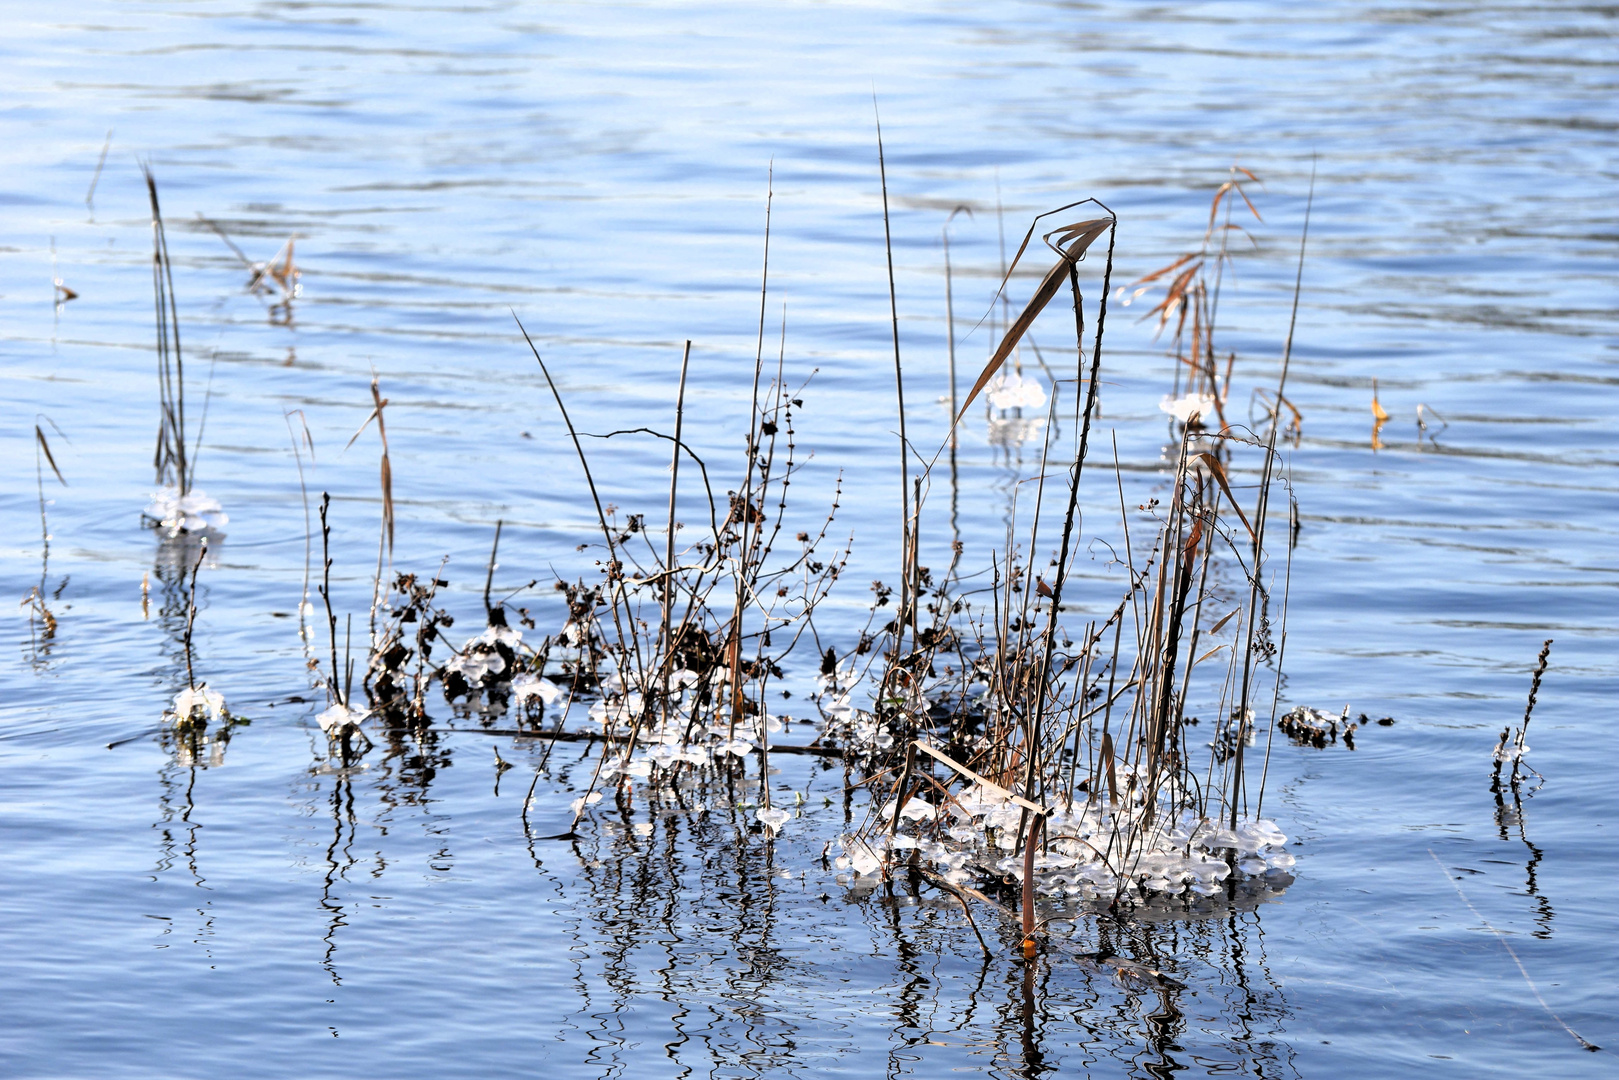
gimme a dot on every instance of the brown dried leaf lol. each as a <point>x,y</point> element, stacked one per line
<point>45,446</point>
<point>1219,476</point>
<point>1079,237</point>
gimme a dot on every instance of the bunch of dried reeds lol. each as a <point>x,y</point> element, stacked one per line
<point>1001,749</point>
<point>171,459</point>
<point>1001,740</point>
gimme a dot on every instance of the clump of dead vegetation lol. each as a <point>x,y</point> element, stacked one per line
<point>1008,744</point>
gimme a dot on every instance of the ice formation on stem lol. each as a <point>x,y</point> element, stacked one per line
<point>198,702</point>
<point>193,512</point>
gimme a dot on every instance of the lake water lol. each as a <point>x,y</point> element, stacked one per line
<point>601,171</point>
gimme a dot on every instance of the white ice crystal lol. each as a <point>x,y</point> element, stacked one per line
<point>1182,408</point>
<point>340,718</point>
<point>773,819</point>
<point>194,699</point>
<point>1012,390</point>
<point>525,687</point>
<point>193,512</point>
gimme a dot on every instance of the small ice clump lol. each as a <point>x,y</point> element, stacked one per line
<point>586,800</point>
<point>696,755</point>
<point>608,714</point>
<point>735,747</point>
<point>194,699</point>
<point>1508,752</point>
<point>863,857</point>
<point>916,809</point>
<point>193,512</point>
<point>1092,851</point>
<point>1012,391</point>
<point>497,635</point>
<point>473,666</point>
<point>340,718</point>
<point>1182,408</point>
<point>773,819</point>
<point>640,768</point>
<point>525,687</point>
<point>482,657</point>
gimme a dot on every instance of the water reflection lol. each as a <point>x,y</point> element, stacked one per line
<point>339,860</point>
<point>701,947</point>
<point>1510,821</point>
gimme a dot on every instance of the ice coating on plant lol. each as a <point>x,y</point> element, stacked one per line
<point>340,718</point>
<point>1092,851</point>
<point>1182,408</point>
<point>473,666</point>
<point>527,687</point>
<point>193,512</point>
<point>916,809</point>
<point>195,700</point>
<point>497,635</point>
<point>861,856</point>
<point>1011,390</point>
<point>1509,751</point>
<point>773,819</point>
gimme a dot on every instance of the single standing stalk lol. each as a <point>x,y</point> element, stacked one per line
<point>1031,843</point>
<point>1075,471</point>
<point>489,576</point>
<point>1298,285</point>
<point>955,407</point>
<point>669,540</point>
<point>745,542</point>
<point>1254,590</point>
<point>326,593</point>
<point>303,489</point>
<point>614,572</point>
<point>905,599</point>
<point>1534,690</point>
<point>191,613</point>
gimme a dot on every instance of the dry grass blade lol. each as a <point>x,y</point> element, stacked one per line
<point>1174,297</point>
<point>1079,237</point>
<point>987,784</point>
<point>1218,472</point>
<point>1085,232</point>
<point>101,162</point>
<point>1162,270</point>
<point>1228,187</point>
<point>46,447</point>
<point>170,459</point>
<point>388,500</point>
<point>381,403</point>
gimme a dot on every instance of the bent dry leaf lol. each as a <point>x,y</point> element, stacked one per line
<point>1078,237</point>
<point>1219,477</point>
<point>45,446</point>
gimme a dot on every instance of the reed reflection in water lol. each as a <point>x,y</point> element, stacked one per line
<point>698,946</point>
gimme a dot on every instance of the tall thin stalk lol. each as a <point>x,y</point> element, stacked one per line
<point>906,600</point>
<point>170,460</point>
